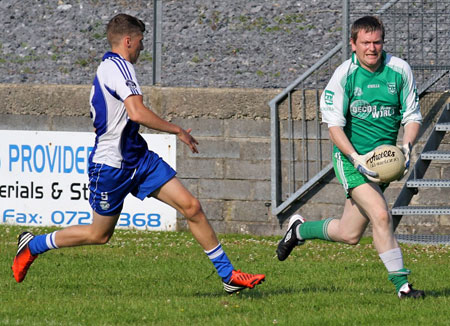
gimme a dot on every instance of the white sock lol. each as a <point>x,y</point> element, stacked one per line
<point>404,288</point>
<point>392,259</point>
<point>50,240</point>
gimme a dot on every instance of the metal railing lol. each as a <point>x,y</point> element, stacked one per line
<point>279,205</point>
<point>298,159</point>
<point>157,41</point>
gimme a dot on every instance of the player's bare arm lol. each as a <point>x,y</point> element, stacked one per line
<point>411,130</point>
<point>141,114</point>
<point>340,139</point>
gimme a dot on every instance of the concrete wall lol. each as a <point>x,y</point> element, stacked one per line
<point>231,174</point>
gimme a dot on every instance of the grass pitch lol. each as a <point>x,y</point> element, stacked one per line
<point>162,278</point>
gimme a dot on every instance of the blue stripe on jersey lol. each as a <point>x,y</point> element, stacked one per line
<point>99,103</point>
<point>113,93</point>
<point>132,145</point>
<point>127,71</point>
<point>121,65</point>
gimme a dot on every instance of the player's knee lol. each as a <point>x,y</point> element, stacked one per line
<point>100,238</point>
<point>351,239</point>
<point>382,219</point>
<point>193,210</point>
<point>103,239</point>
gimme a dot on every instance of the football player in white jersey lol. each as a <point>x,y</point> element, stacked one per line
<point>367,99</point>
<point>121,163</point>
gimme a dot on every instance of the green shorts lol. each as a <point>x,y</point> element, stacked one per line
<point>347,175</point>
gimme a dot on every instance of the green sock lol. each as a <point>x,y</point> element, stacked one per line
<point>399,277</point>
<point>315,230</point>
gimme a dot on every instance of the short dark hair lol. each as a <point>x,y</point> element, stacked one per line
<point>123,24</point>
<point>368,24</point>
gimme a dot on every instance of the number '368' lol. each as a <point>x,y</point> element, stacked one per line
<point>139,220</point>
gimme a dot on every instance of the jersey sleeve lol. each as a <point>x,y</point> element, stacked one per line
<point>333,100</point>
<point>121,79</point>
<point>409,98</point>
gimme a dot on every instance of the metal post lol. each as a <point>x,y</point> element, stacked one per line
<point>422,32</point>
<point>275,173</point>
<point>291,181</point>
<point>304,138</point>
<point>437,34</point>
<point>408,56</point>
<point>157,27</point>
<point>345,24</point>
<point>318,134</point>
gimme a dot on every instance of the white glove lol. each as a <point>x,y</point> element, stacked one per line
<point>359,162</point>
<point>406,149</point>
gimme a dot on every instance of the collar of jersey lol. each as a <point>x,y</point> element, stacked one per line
<point>110,54</point>
<point>380,68</point>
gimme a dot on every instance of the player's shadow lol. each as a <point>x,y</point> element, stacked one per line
<point>260,293</point>
<point>257,293</point>
<point>436,294</point>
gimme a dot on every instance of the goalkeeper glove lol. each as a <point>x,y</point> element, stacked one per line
<point>359,162</point>
<point>406,149</point>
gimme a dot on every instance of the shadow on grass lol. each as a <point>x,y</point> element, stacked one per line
<point>254,293</point>
<point>261,293</point>
<point>257,293</point>
<point>436,294</point>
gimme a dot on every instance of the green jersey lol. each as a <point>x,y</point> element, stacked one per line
<point>370,106</point>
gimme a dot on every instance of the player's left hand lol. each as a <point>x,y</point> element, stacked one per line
<point>186,137</point>
<point>406,149</point>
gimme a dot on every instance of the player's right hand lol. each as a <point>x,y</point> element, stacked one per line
<point>359,162</point>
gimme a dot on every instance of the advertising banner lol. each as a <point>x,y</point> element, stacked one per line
<point>44,181</point>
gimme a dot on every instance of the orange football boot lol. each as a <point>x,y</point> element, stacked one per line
<point>23,258</point>
<point>240,281</point>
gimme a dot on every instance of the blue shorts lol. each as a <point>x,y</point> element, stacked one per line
<point>109,186</point>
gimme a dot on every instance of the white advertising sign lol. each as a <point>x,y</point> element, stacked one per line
<point>44,181</point>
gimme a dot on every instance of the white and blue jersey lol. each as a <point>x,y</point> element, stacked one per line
<point>118,142</point>
<point>120,162</point>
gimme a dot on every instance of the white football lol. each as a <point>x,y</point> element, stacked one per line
<point>388,161</point>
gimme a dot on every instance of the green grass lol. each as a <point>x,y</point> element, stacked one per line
<point>160,278</point>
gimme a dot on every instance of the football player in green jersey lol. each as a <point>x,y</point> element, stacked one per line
<point>364,104</point>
